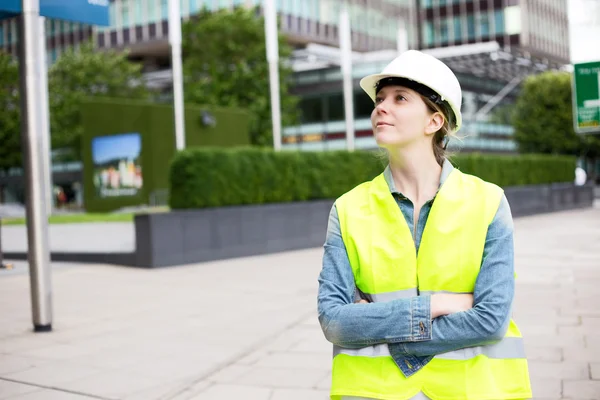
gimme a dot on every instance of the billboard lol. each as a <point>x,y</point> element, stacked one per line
<point>117,165</point>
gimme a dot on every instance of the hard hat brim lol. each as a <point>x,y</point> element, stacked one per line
<point>369,82</point>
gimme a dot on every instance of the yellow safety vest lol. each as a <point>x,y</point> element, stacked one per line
<point>386,266</point>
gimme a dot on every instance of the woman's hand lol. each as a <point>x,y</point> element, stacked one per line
<point>449,303</point>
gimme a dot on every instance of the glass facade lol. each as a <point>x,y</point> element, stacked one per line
<point>322,125</point>
<point>365,19</point>
<point>457,28</point>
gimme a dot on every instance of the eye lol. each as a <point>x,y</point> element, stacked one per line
<point>378,100</point>
<point>400,98</point>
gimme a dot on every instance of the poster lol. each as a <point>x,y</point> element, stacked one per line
<point>117,165</point>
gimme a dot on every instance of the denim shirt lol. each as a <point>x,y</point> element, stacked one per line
<point>413,338</point>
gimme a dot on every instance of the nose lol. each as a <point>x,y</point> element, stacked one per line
<point>381,107</point>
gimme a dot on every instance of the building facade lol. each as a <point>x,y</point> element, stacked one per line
<point>490,44</point>
<point>539,27</point>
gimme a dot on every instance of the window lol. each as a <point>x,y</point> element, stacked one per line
<point>335,107</point>
<point>499,21</point>
<point>471,26</point>
<point>457,29</point>
<point>125,14</point>
<point>312,109</point>
<point>484,24</point>
<point>111,14</point>
<point>363,105</point>
<point>139,19</point>
<point>152,11</point>
<point>164,9</point>
<point>443,31</point>
<point>428,33</point>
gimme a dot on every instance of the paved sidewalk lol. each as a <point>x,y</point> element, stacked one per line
<point>75,238</point>
<point>247,328</point>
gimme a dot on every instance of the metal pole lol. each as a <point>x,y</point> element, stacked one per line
<point>31,116</point>
<point>346,54</point>
<point>175,41</point>
<point>45,121</point>
<point>270,13</point>
<point>402,38</point>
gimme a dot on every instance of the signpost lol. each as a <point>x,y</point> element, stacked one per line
<point>34,112</point>
<point>586,97</point>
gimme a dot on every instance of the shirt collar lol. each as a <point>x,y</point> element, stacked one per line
<point>447,168</point>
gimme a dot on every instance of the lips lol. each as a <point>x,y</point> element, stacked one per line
<point>381,123</point>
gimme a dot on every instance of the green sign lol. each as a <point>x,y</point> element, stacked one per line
<point>586,97</point>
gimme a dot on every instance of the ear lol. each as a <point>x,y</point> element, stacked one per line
<point>435,123</point>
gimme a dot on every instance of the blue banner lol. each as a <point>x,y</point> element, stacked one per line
<point>92,12</point>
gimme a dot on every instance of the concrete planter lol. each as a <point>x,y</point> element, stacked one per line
<point>191,236</point>
<point>536,199</point>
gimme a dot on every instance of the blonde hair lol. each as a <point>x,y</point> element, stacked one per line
<point>446,131</point>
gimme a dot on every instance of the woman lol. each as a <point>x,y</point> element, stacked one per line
<point>418,278</point>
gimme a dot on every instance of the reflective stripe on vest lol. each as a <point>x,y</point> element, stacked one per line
<point>509,347</point>
<point>386,267</point>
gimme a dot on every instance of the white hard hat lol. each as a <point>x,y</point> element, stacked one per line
<point>425,70</point>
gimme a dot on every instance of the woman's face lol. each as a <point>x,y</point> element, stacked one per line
<point>401,117</point>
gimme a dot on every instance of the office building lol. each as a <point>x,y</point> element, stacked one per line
<point>490,44</point>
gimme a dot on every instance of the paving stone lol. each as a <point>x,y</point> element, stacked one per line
<point>233,392</point>
<point>51,395</point>
<point>282,378</point>
<point>53,373</point>
<point>286,394</point>
<point>590,354</point>
<point>546,388</point>
<point>296,360</point>
<point>229,374</point>
<point>582,390</point>
<point>535,353</point>
<point>559,370</point>
<point>595,371</point>
<point>554,340</point>
<point>10,389</point>
<point>113,384</point>
<point>593,322</point>
<point>10,364</point>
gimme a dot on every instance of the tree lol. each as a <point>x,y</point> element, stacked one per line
<point>10,137</point>
<point>543,119</point>
<point>225,64</point>
<point>83,73</point>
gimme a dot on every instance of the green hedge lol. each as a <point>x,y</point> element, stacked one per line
<point>210,177</point>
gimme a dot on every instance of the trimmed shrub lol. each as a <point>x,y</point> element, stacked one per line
<point>213,177</point>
